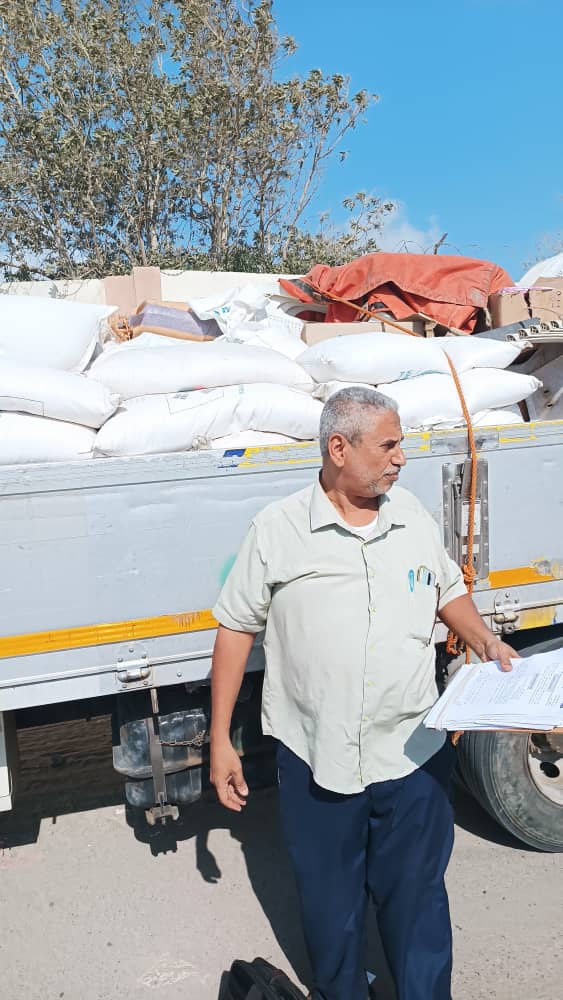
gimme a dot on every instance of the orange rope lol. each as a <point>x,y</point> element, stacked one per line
<point>453,645</point>
<point>120,326</point>
<point>369,314</point>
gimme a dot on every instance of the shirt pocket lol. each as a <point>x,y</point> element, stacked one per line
<point>422,610</point>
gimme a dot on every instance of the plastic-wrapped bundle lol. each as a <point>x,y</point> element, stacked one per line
<point>171,321</point>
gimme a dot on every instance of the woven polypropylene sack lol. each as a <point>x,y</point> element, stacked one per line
<point>24,439</point>
<point>432,400</point>
<point>184,420</point>
<point>137,372</point>
<point>480,352</point>
<point>50,332</point>
<point>373,358</point>
<point>61,395</point>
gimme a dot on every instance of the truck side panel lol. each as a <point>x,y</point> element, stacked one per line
<point>111,567</point>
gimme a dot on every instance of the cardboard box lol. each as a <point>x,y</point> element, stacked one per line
<point>546,299</point>
<point>313,333</point>
<point>508,306</point>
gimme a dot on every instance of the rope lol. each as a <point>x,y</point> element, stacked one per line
<point>453,644</point>
<point>120,326</point>
<point>367,313</point>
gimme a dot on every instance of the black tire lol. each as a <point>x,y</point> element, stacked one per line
<point>495,767</point>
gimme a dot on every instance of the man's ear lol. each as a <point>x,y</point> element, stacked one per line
<point>337,445</point>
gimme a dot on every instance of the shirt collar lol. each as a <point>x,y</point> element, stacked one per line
<point>323,513</point>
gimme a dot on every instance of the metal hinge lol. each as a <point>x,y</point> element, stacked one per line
<point>131,674</point>
<point>506,616</point>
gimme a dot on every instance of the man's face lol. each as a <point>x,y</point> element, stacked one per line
<point>369,468</point>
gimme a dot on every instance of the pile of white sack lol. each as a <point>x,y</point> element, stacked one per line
<point>416,374</point>
<point>187,395</point>
<point>65,395</point>
<point>49,410</point>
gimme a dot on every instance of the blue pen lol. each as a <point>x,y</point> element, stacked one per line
<point>411,580</point>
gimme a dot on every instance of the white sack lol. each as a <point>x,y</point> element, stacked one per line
<point>232,307</point>
<point>244,304</point>
<point>148,425</point>
<point>484,418</point>
<point>496,418</point>
<point>324,390</point>
<point>267,333</point>
<point>480,352</point>
<point>143,340</point>
<point>178,422</point>
<point>277,410</point>
<point>137,372</point>
<point>50,332</point>
<point>373,358</point>
<point>251,439</point>
<point>61,395</point>
<point>24,439</point>
<point>431,400</point>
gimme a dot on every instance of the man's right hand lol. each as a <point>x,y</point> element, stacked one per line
<point>227,777</point>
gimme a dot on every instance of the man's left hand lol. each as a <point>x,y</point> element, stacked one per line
<point>496,649</point>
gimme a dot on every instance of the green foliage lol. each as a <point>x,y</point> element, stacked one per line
<point>165,133</point>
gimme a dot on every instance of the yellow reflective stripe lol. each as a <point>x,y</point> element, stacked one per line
<point>517,577</point>
<point>99,635</point>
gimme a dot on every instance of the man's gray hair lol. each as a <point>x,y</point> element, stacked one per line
<point>349,413</point>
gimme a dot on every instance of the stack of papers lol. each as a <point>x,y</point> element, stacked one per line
<point>482,696</point>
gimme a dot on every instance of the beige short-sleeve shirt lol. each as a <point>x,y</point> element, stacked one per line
<point>348,625</point>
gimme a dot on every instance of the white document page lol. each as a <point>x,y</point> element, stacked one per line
<point>530,696</point>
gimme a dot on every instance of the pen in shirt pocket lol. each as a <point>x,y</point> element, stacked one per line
<point>426,576</point>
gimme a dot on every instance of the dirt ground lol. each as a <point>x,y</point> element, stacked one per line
<point>94,909</point>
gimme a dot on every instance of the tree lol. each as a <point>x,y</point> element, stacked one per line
<point>164,132</point>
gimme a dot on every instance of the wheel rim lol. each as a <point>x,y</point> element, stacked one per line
<point>545,765</point>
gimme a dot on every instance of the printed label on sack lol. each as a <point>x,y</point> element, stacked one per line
<point>184,400</point>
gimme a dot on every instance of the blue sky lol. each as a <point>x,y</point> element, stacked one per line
<point>468,134</point>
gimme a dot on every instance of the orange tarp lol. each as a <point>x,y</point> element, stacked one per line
<point>449,290</point>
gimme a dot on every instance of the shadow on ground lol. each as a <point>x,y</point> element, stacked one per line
<point>67,767</point>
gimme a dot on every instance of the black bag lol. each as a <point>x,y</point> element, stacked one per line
<point>258,980</point>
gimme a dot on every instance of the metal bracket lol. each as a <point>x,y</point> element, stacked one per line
<point>455,500</point>
<point>134,673</point>
<point>162,809</point>
<point>537,331</point>
<point>506,616</point>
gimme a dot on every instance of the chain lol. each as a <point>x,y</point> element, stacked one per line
<point>197,741</point>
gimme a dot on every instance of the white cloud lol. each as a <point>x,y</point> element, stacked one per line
<point>400,235</point>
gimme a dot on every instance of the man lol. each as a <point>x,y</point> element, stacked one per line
<point>347,578</point>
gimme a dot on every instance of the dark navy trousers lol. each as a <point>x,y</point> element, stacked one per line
<point>392,842</point>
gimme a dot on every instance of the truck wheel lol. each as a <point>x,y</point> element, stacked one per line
<point>518,779</point>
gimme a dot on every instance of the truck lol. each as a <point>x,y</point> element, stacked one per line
<point>111,568</point>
